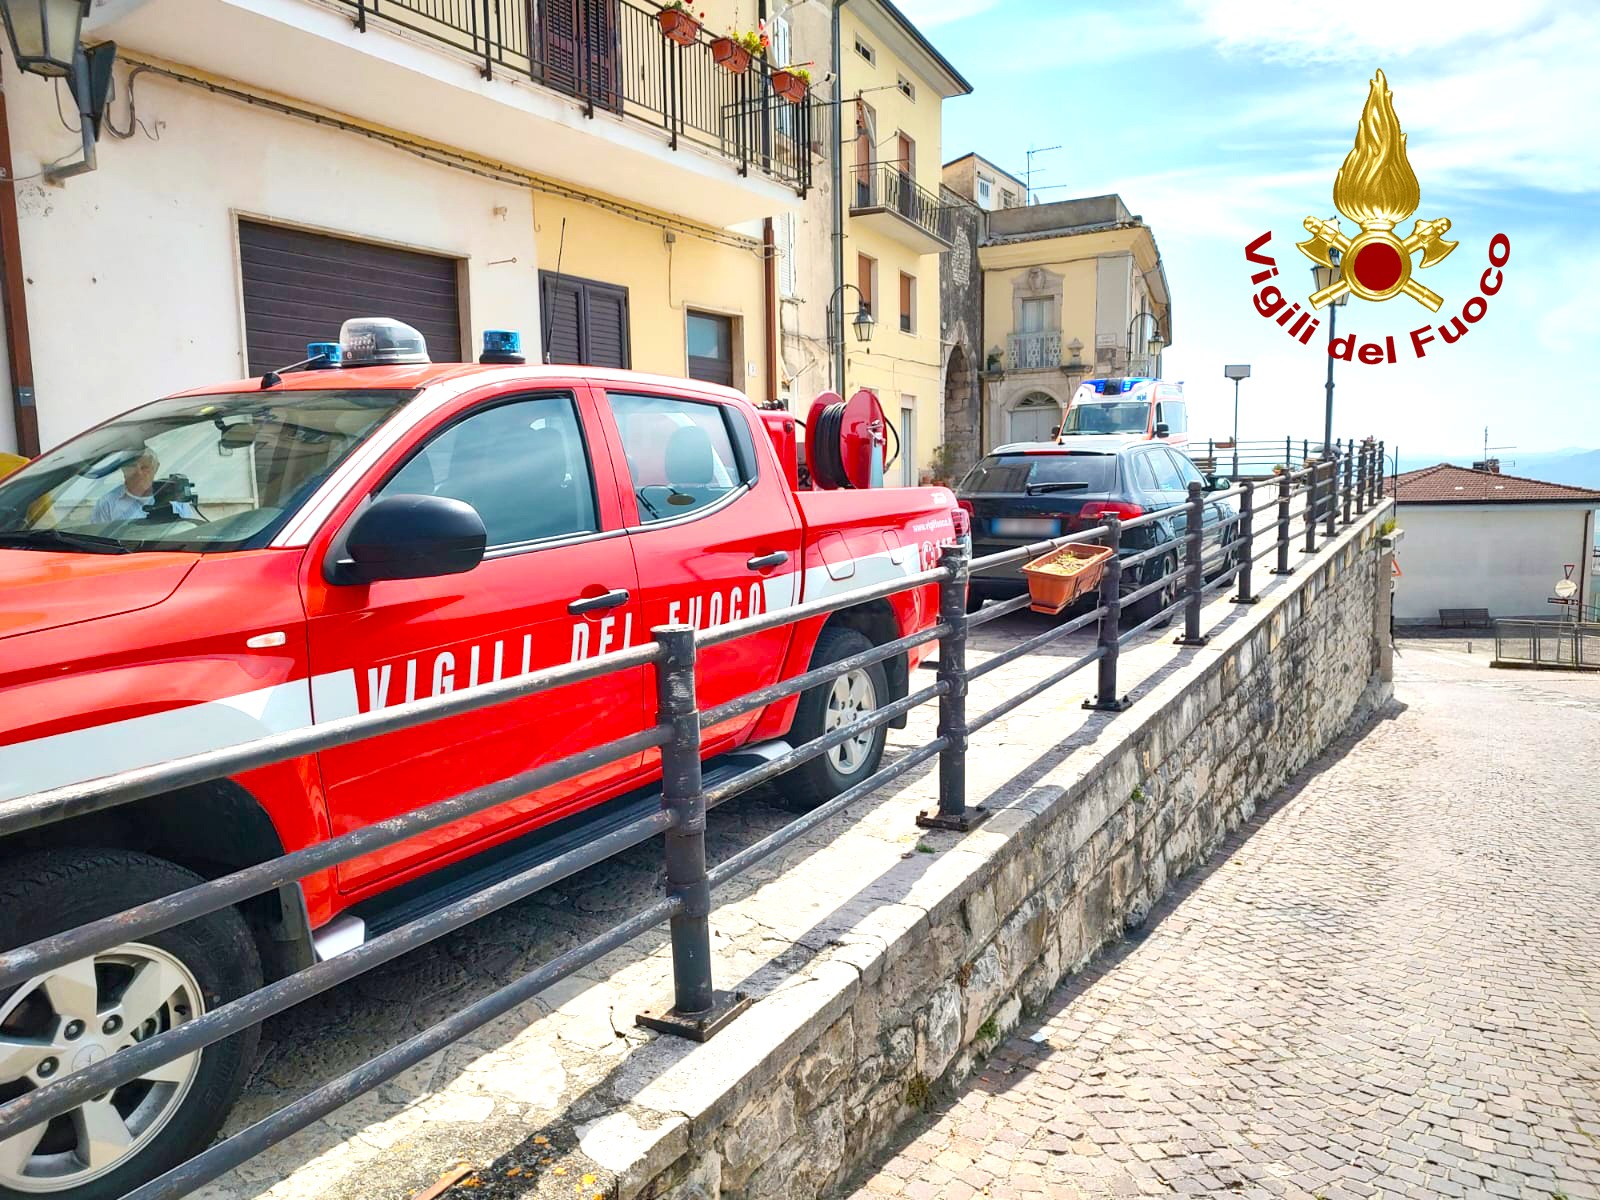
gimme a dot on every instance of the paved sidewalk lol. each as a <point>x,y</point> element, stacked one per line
<point>1388,983</point>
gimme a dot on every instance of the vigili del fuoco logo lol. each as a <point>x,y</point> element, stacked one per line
<point>1377,190</point>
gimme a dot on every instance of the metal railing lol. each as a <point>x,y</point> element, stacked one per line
<point>889,186</point>
<point>1260,459</point>
<point>1326,493</point>
<point>1547,642</point>
<point>615,58</point>
<point>1033,351</point>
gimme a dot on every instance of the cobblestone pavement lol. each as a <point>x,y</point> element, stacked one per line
<point>1388,983</point>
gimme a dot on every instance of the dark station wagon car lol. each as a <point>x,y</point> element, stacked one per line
<point>1026,493</point>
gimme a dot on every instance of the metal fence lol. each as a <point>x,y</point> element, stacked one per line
<point>1544,642</point>
<point>1259,459</point>
<point>1298,508</point>
<point>615,58</point>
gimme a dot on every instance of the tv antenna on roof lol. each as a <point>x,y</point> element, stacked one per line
<point>1486,448</point>
<point>1028,174</point>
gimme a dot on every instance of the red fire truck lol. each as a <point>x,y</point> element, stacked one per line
<point>264,555</point>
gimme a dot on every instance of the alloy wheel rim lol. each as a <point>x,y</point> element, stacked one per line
<point>68,1019</point>
<point>851,698</point>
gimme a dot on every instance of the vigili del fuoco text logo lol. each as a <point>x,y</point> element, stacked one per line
<point>1377,189</point>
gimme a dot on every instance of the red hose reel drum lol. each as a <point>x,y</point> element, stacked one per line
<point>846,441</point>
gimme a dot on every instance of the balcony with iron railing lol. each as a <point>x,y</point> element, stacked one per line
<point>589,92</point>
<point>885,197</point>
<point>1034,351</point>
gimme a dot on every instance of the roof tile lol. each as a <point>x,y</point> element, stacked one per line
<point>1446,483</point>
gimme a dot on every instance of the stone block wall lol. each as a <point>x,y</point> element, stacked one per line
<point>920,1006</point>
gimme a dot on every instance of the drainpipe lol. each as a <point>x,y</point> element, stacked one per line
<point>769,329</point>
<point>836,151</point>
<point>19,348</point>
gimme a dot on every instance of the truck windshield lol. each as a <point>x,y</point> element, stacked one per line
<point>195,473</point>
<point>1018,474</point>
<point>1117,416</point>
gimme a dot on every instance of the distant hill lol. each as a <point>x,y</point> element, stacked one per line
<point>1580,468</point>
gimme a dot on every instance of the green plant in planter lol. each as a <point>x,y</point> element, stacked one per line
<point>753,40</point>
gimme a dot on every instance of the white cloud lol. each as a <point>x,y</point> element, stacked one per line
<point>1359,30</point>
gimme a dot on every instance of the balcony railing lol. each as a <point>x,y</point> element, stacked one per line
<point>888,187</point>
<point>1034,351</point>
<point>613,57</point>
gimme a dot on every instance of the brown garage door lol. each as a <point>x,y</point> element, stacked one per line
<point>300,287</point>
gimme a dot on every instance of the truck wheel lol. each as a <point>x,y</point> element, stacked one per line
<point>828,707</point>
<point>75,1015</point>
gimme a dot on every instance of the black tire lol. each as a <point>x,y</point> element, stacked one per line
<point>821,779</point>
<point>1143,609</point>
<point>45,893</point>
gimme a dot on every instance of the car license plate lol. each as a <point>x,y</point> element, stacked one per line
<point>1026,527</point>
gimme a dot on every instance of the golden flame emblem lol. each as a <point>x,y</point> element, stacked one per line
<point>1377,189</point>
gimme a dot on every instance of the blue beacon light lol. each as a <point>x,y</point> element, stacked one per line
<point>502,346</point>
<point>329,352</point>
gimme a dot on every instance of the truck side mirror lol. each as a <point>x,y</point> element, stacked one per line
<point>1055,432</point>
<point>410,537</point>
<point>1162,429</point>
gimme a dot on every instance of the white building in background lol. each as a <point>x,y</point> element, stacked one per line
<point>1480,539</point>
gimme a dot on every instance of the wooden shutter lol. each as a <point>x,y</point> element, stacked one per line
<point>579,39</point>
<point>300,287</point>
<point>864,282</point>
<point>907,314</point>
<point>606,312</point>
<point>585,322</point>
<point>559,25</point>
<point>788,271</point>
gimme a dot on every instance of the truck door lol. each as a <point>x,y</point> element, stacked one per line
<point>557,582</point>
<point>715,533</point>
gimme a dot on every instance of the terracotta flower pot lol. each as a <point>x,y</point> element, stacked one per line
<point>1059,577</point>
<point>790,86</point>
<point>730,56</point>
<point>678,26</point>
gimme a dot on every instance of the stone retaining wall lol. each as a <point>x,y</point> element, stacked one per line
<point>907,993</point>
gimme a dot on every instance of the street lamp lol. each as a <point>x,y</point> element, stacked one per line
<point>1324,277</point>
<point>44,33</point>
<point>1153,346</point>
<point>1236,372</point>
<point>863,323</point>
<point>44,36</point>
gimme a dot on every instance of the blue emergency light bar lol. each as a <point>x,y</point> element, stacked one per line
<point>329,352</point>
<point>502,346</point>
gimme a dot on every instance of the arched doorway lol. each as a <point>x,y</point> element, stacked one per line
<point>1034,418</point>
<point>961,449</point>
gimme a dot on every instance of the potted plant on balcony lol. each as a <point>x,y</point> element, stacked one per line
<point>734,51</point>
<point>792,83</point>
<point>679,23</point>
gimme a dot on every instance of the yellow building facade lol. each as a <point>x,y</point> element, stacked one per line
<point>893,86</point>
<point>1071,291</point>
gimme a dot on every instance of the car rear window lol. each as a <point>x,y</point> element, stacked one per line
<point>1016,473</point>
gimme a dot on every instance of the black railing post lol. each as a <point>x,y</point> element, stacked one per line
<point>953,812</point>
<point>1105,698</point>
<point>1383,466</point>
<point>1331,500</point>
<point>361,15</point>
<point>1246,534</point>
<point>1195,536</point>
<point>488,38</point>
<point>697,1010</point>
<point>1312,472</point>
<point>1284,495</point>
<point>1349,475</point>
<point>1362,463</point>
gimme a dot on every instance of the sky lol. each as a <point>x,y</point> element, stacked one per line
<point>1217,120</point>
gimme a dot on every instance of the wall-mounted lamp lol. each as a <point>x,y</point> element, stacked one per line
<point>45,37</point>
